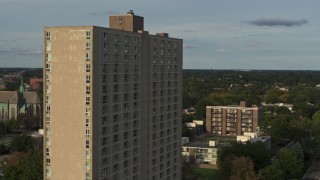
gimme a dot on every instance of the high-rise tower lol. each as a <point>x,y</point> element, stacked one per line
<point>112,102</point>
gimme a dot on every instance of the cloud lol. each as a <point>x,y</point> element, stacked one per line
<point>278,22</point>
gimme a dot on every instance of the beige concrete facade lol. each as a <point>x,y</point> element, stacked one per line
<point>232,120</point>
<point>112,102</point>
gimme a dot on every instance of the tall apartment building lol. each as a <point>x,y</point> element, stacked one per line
<point>112,102</point>
<point>232,120</point>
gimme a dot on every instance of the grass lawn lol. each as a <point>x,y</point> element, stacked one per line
<point>202,174</point>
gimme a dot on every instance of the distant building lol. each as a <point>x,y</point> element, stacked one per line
<point>253,137</point>
<point>190,111</point>
<point>13,103</point>
<point>205,153</point>
<point>2,85</point>
<point>232,120</point>
<point>196,127</point>
<point>284,89</point>
<point>289,106</point>
<point>35,83</point>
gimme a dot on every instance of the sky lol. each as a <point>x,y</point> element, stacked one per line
<point>217,34</point>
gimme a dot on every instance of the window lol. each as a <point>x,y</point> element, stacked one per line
<point>88,154</point>
<point>48,161</point>
<point>87,111</point>
<point>48,99</point>
<point>115,98</point>
<point>47,78</point>
<point>87,133</point>
<point>136,49</point>
<point>105,46</point>
<point>48,88</point>
<point>48,109</point>
<point>115,138</point>
<point>105,36</point>
<point>104,90</point>
<point>154,59</point>
<point>87,67</point>
<point>87,45</point>
<point>115,78</point>
<point>48,172</point>
<point>48,57</point>
<point>48,151</point>
<point>126,49</point>
<point>87,122</point>
<point>87,176</point>
<point>87,144</point>
<point>48,141</point>
<point>87,78</point>
<point>116,68</point>
<point>116,38</point>
<point>105,58</point>
<point>88,88</point>
<point>115,88</point>
<point>126,39</point>
<point>48,45</point>
<point>136,40</point>
<point>116,47</point>
<point>87,57</point>
<point>47,130</point>
<point>88,34</point>
<point>48,67</point>
<point>87,100</point>
<point>48,121</point>
<point>48,35</point>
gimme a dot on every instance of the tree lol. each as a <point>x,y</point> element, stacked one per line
<point>23,166</point>
<point>187,118</point>
<point>272,172</point>
<point>3,149</point>
<point>23,143</point>
<point>289,163</point>
<point>242,168</point>
<point>186,132</point>
<point>12,86</point>
<point>256,151</point>
<point>276,126</point>
<point>316,123</point>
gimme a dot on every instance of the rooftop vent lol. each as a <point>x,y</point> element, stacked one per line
<point>130,12</point>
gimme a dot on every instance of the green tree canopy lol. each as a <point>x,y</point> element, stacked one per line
<point>23,166</point>
<point>23,143</point>
<point>255,151</point>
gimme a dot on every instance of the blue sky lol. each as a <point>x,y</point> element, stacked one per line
<point>217,34</point>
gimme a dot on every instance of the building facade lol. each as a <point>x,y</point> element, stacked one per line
<point>232,120</point>
<point>204,153</point>
<point>13,103</point>
<point>112,102</point>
